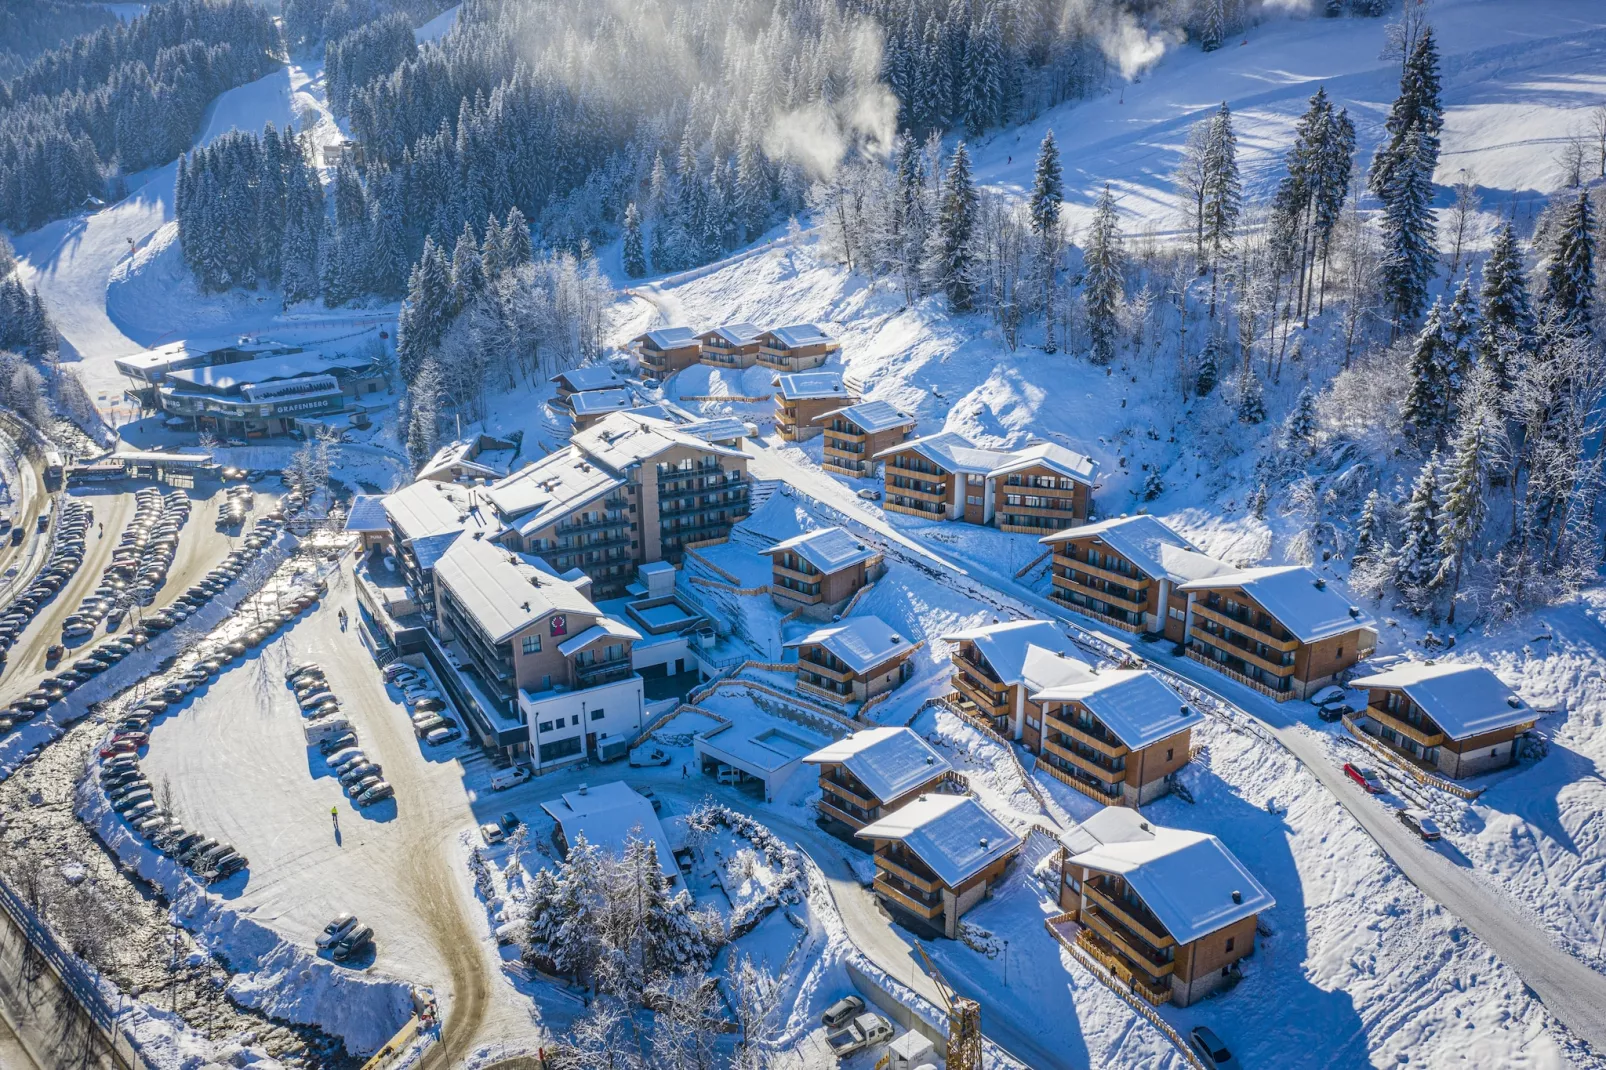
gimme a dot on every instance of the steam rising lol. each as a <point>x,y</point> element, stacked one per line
<point>1132,47</point>
<point>819,135</point>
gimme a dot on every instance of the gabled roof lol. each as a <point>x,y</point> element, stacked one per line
<point>805,386</point>
<point>951,834</point>
<point>595,402</point>
<point>605,628</point>
<point>800,334</point>
<point>1048,455</point>
<point>607,815</point>
<point>827,549</point>
<point>551,488</point>
<point>504,592</point>
<point>1463,700</point>
<point>888,761</point>
<point>367,514</point>
<point>860,643</point>
<point>1139,539</point>
<point>953,452</point>
<point>872,417</point>
<point>736,334</point>
<point>622,439</point>
<point>427,509</point>
<point>1135,704</point>
<point>670,337</point>
<point>1187,879</point>
<point>1026,652</point>
<point>1300,600</point>
<point>589,377</point>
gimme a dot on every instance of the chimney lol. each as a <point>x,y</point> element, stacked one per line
<point>1237,896</point>
<point>1319,583</point>
<point>583,791</point>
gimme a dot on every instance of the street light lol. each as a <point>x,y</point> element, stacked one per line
<point>1006,963</point>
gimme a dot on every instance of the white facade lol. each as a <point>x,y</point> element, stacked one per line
<point>566,725</point>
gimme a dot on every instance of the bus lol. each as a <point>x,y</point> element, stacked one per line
<point>55,469</point>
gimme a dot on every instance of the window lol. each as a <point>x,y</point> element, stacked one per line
<point>1229,944</point>
<point>545,726</point>
<point>561,748</point>
<point>1177,614</point>
<point>1340,651</point>
<point>596,715</point>
<point>972,499</point>
<point>575,720</point>
<point>1168,754</point>
<point>531,644</point>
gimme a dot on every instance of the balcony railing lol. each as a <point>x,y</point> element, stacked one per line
<point>1062,596</point>
<point>847,817</point>
<point>995,703</point>
<point>1420,734</point>
<point>1075,583</point>
<point>836,698</point>
<point>1135,580</point>
<point>825,670</point>
<point>1156,938</point>
<point>1099,737</point>
<point>903,872</point>
<point>1249,657</point>
<point>1132,947</point>
<point>1241,623</point>
<point>602,672</point>
<point>832,786</point>
<point>907,901</point>
<point>1105,773</point>
<point>1282,695</point>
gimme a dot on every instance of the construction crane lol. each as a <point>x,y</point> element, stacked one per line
<point>964,1019</point>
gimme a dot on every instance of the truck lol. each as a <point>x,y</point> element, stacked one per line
<point>865,1030</point>
<point>325,728</point>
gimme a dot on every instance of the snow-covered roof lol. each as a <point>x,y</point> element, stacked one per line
<point>622,439</point>
<point>1187,879</point>
<point>427,509</point>
<point>1300,600</point>
<point>367,514</point>
<point>503,591</point>
<point>670,338</point>
<point>595,402</point>
<point>1463,700</point>
<point>241,373</point>
<point>480,456</point>
<point>799,334</point>
<point>888,761</point>
<point>608,815</point>
<point>872,417</point>
<point>1032,652</point>
<point>720,430</point>
<point>1185,565</point>
<point>860,643</point>
<point>1048,455</point>
<point>827,549</point>
<point>605,628</point>
<point>806,386</point>
<point>952,451</point>
<point>1144,541</point>
<point>951,834</point>
<point>1135,704</point>
<point>736,334</point>
<point>590,377</point>
<point>550,489</point>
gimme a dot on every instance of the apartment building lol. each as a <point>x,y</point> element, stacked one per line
<point>538,646</point>
<point>820,570</point>
<point>1458,720</point>
<point>1036,489</point>
<point>851,660</point>
<point>629,490</point>
<point>873,772</point>
<point>1116,736</point>
<point>1282,630</point>
<point>667,350</point>
<point>800,397</point>
<point>854,435</point>
<point>470,459</point>
<point>1125,572</point>
<point>1169,911</point>
<point>796,348</point>
<point>936,857</point>
<point>999,667</point>
<point>735,345</point>
<point>425,519</point>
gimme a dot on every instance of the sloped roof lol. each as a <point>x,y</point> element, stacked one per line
<point>556,485</point>
<point>1463,700</point>
<point>952,451</point>
<point>736,334</point>
<point>872,416</point>
<point>1301,601</point>
<point>1135,704</point>
<point>1187,879</point>
<point>1142,540</point>
<point>269,369</point>
<point>888,761</point>
<point>861,643</point>
<point>1049,455</point>
<point>720,430</point>
<point>671,337</point>
<point>827,549</point>
<point>427,508</point>
<point>1017,650</point>
<point>800,334</point>
<point>622,439</point>
<point>501,590</point>
<point>607,815</point>
<point>952,834</point>
<point>367,514</point>
<point>589,377</point>
<point>478,455</point>
<point>802,386</point>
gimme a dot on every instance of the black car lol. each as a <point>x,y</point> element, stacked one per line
<point>340,742</point>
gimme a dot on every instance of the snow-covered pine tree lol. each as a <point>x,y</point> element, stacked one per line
<point>1410,259</point>
<point>1417,110</point>
<point>1223,193</point>
<point>576,946</point>
<point>1209,371</point>
<point>1370,531</point>
<point>1464,506</point>
<point>540,915</point>
<point>424,314</point>
<point>1104,279</point>
<point>1568,295</point>
<point>425,395</point>
<point>981,87</point>
<point>468,273</point>
<point>1048,194</point>
<point>1251,408</point>
<point>1213,27</point>
<point>633,256</point>
<point>1460,346</point>
<point>516,246</point>
<point>1298,432</point>
<point>1427,401</point>
<point>1417,565</point>
<point>950,255</point>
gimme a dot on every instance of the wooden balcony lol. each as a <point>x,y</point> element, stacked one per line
<point>1421,735</point>
<point>841,791</point>
<point>1143,959</point>
<point>906,901</point>
<point>1247,681</point>
<point>839,675</point>
<point>1089,942</point>
<point>1135,580</point>
<point>1220,643</point>
<point>836,698</point>
<point>850,819</point>
<point>778,569</point>
<point>1058,595</point>
<point>898,869</point>
<point>893,507</point>
<point>1103,798</point>
<point>1103,773</point>
<point>1056,512</point>
<point>940,497</point>
<point>1138,605</point>
<point>1113,747</point>
<point>991,703</point>
<point>858,467</point>
<point>1158,939</point>
<point>1202,610</point>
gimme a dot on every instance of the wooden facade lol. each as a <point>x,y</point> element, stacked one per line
<point>662,362</point>
<point>1089,577</point>
<point>795,581</point>
<point>1037,499</point>
<point>850,447</point>
<point>904,882</point>
<point>845,798</point>
<point>723,352</point>
<point>1231,632</point>
<point>797,417</point>
<point>916,485</point>
<point>1397,721</point>
<point>822,674</point>
<point>1093,758</point>
<point>774,351</point>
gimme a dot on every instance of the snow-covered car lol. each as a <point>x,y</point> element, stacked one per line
<point>351,943</point>
<point>1330,693</point>
<point>1421,823</point>
<point>337,929</point>
<point>491,832</point>
<point>1335,711</point>
<point>864,1031</point>
<point>870,495</point>
<point>381,790</point>
<point>436,736</point>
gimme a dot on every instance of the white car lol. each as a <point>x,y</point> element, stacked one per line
<point>492,832</point>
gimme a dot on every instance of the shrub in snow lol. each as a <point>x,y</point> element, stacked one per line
<point>1153,485</point>
<point>787,889</point>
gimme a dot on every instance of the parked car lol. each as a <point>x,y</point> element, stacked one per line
<point>334,744</point>
<point>1330,693</point>
<point>492,833</point>
<point>507,778</point>
<point>1365,777</point>
<point>1421,823</point>
<point>381,790</point>
<point>351,943</point>
<point>1211,1051</point>
<point>509,821</point>
<point>645,756</point>
<point>862,1032</point>
<point>435,737</point>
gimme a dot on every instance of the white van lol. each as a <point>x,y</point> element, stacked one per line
<point>325,728</point>
<point>508,778</point>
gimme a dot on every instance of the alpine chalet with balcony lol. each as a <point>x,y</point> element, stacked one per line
<point>796,348</point>
<point>735,345</point>
<point>852,660</point>
<point>998,667</point>
<point>667,350</point>
<point>937,856</point>
<point>818,571</point>
<point>801,397</point>
<point>1116,736</point>
<point>856,434</point>
<point>874,771</point>
<point>1458,720</point>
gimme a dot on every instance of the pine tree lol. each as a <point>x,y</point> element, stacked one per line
<point>1409,260</point>
<point>576,946</point>
<point>950,255</point>
<point>1104,279</point>
<point>1460,346</point>
<point>468,273</point>
<point>1370,535</point>
<point>1214,29</point>
<point>1506,313</point>
<point>541,901</point>
<point>423,317</point>
<point>1048,189</point>
<point>1569,291</point>
<point>1299,429</point>
<point>1223,192</point>
<point>517,249</point>
<point>1251,399</point>
<point>424,397</point>
<point>1418,563</point>
<point>1416,111</point>
<point>1209,373</point>
<point>1427,401</point>
<point>980,89</point>
<point>634,257</point>
<point>1462,512</point>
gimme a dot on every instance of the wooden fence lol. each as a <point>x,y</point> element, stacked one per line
<point>1421,776</point>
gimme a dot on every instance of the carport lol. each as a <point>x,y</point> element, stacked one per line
<point>761,753</point>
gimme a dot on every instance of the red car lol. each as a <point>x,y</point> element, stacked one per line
<point>119,746</point>
<point>1365,777</point>
<point>139,739</point>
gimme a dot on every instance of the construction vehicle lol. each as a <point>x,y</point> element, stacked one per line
<point>964,1019</point>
